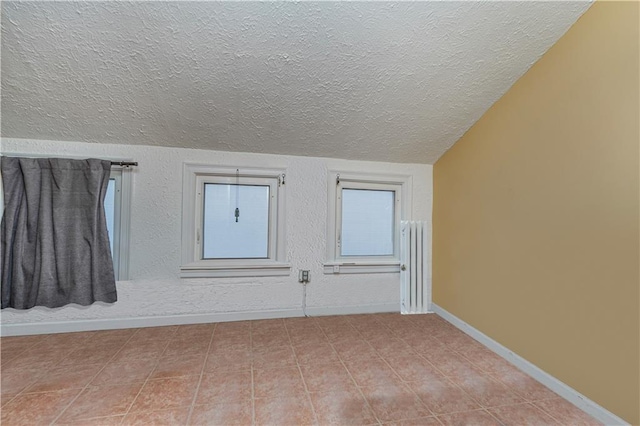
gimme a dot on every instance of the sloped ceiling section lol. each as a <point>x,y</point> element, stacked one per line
<point>397,82</point>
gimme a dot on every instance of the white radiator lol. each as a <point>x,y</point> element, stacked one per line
<point>415,291</point>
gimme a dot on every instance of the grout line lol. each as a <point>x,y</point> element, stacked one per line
<point>7,364</point>
<point>204,365</point>
<point>304,382</point>
<point>89,383</point>
<point>366,401</point>
<point>482,406</point>
<point>253,390</point>
<point>497,376</point>
<point>446,376</point>
<point>146,380</point>
<point>545,412</point>
<point>494,416</point>
<point>404,382</point>
<point>393,326</point>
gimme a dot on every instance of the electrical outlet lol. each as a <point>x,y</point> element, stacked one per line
<point>336,269</point>
<point>304,276</point>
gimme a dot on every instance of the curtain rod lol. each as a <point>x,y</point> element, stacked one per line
<point>124,163</point>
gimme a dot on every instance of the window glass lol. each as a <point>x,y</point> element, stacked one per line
<point>223,237</point>
<point>368,223</point>
<point>109,209</point>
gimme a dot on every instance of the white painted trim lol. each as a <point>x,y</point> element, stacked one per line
<point>403,187</point>
<point>247,270</point>
<point>576,398</point>
<point>157,321</point>
<point>193,175</point>
<point>126,186</point>
<point>122,221</point>
<point>329,268</point>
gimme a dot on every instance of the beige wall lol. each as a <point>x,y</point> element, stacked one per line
<point>536,213</point>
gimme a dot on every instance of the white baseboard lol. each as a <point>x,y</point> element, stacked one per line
<point>24,329</point>
<point>565,391</point>
<point>352,310</point>
<point>155,321</point>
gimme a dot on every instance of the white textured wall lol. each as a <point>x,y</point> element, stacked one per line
<point>154,288</point>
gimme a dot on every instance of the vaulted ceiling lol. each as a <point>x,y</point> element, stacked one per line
<point>381,81</point>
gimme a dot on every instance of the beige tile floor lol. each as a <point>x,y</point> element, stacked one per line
<point>340,370</point>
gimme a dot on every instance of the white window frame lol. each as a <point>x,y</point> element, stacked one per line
<point>121,221</point>
<point>193,266</point>
<point>339,180</point>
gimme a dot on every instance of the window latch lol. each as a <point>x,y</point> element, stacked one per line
<point>198,236</point>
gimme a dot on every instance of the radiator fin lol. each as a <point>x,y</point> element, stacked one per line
<point>415,292</point>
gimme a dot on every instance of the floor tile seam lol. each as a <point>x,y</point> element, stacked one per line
<point>438,420</point>
<point>522,403</point>
<point>508,388</point>
<point>545,412</point>
<point>392,369</point>
<point>434,365</point>
<point>491,407</point>
<point>15,356</point>
<point>480,408</point>
<point>22,391</point>
<point>26,392</point>
<point>551,415</point>
<point>7,402</point>
<point>463,390</point>
<point>253,388</point>
<point>468,394</point>
<point>202,369</point>
<point>495,417</point>
<point>146,380</point>
<point>353,380</point>
<point>559,421</point>
<point>484,370</point>
<point>383,358</point>
<point>89,383</point>
<point>304,382</point>
<point>485,410</point>
<point>515,391</point>
<point>32,393</point>
<point>407,386</point>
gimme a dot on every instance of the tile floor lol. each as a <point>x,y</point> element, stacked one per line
<point>341,370</point>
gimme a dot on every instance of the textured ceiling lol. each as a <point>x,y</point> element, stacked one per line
<point>381,81</point>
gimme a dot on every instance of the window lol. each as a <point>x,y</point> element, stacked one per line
<point>233,222</point>
<point>117,206</point>
<point>364,221</point>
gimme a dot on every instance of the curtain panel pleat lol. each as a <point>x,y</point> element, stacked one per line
<point>54,239</point>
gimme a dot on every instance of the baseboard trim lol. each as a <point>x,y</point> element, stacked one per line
<point>576,398</point>
<point>352,310</point>
<point>155,321</point>
<point>24,329</point>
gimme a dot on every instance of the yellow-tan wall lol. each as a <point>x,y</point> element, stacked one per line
<point>536,213</point>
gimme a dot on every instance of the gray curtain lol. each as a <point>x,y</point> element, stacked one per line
<point>55,245</point>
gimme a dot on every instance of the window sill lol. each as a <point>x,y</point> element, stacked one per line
<point>336,268</point>
<point>235,270</point>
